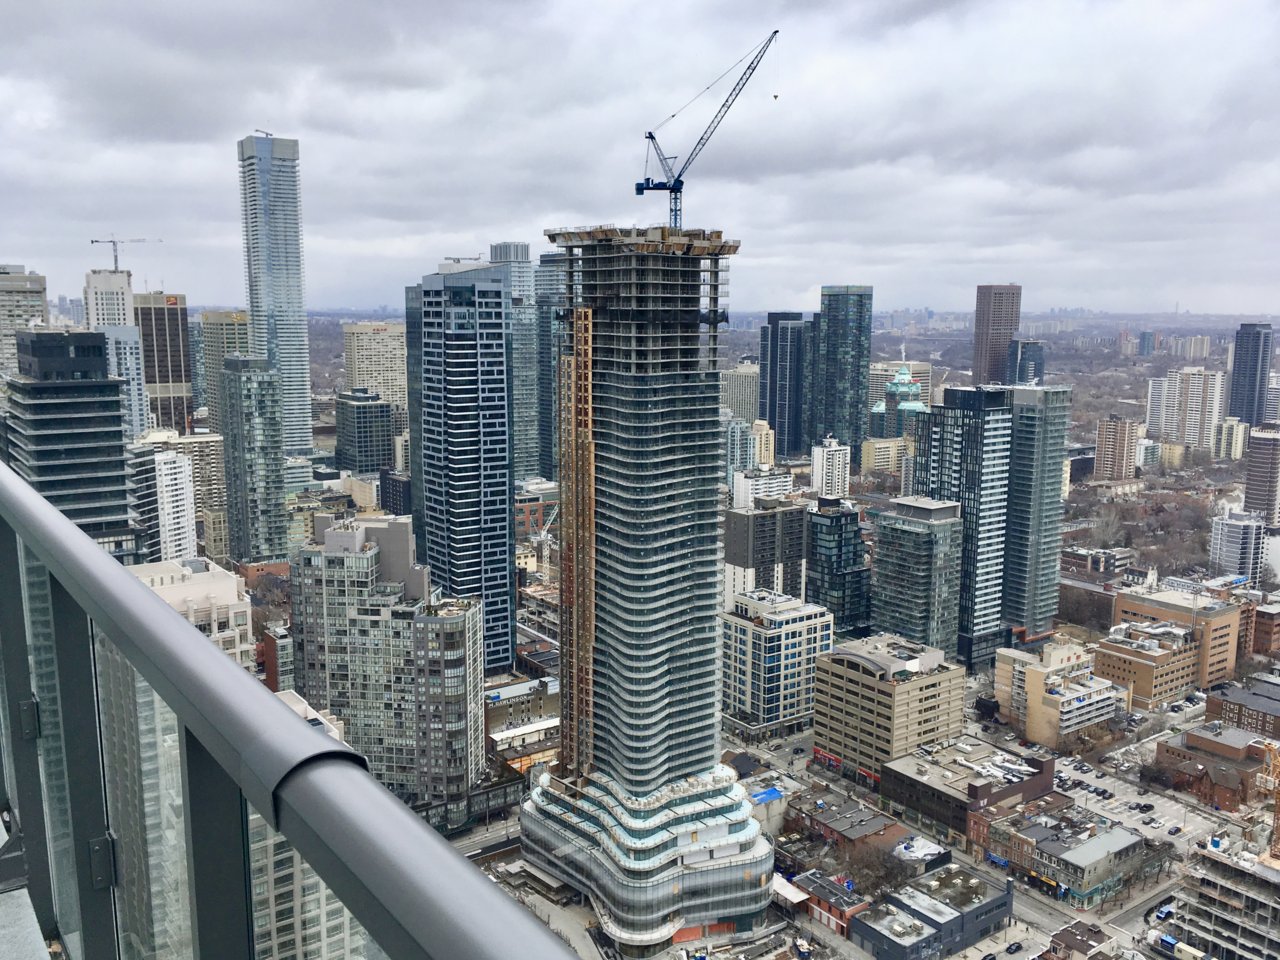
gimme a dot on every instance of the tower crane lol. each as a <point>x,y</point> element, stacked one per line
<point>543,538</point>
<point>1269,780</point>
<point>115,248</point>
<point>674,182</point>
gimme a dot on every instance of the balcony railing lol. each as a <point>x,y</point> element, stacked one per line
<point>66,607</point>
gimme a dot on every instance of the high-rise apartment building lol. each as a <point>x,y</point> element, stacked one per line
<point>831,460</point>
<point>1052,697</point>
<point>765,547</point>
<point>639,597</point>
<point>740,390</point>
<point>766,442</point>
<point>257,528</point>
<point>195,339</point>
<point>144,499</point>
<point>1026,362</point>
<point>460,442</point>
<point>961,453</point>
<point>995,321</point>
<point>175,494</point>
<point>373,357</point>
<point>1117,449</point>
<point>1230,439</point>
<point>225,332</point>
<point>784,366</point>
<point>881,698</point>
<point>1250,372</point>
<point>1262,473</point>
<point>209,486</point>
<point>1236,545</point>
<point>915,580</point>
<point>22,305</point>
<point>290,904</point>
<point>356,591</point>
<point>448,639</point>
<point>839,355</point>
<point>837,571</point>
<point>1185,405</point>
<point>739,445</point>
<point>750,485</point>
<point>551,300</point>
<point>161,319</point>
<point>364,432</point>
<point>64,435</point>
<point>771,645</point>
<point>511,260</point>
<point>271,216</point>
<point>108,299</point>
<point>124,361</point>
<point>1033,517</point>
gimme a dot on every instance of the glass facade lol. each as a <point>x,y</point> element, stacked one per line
<point>839,357</point>
<point>641,815</point>
<point>962,453</point>
<point>838,573</point>
<point>460,439</point>
<point>783,368</point>
<point>271,217</point>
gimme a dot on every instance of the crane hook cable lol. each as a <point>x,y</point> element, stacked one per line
<point>696,96</point>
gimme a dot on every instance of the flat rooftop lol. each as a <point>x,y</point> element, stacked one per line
<point>894,658</point>
<point>951,769</point>
<point>1249,699</point>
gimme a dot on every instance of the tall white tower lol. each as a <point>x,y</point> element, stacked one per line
<point>271,214</point>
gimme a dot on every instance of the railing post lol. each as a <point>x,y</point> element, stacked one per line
<point>218,857</point>
<point>26,797</point>
<point>81,740</point>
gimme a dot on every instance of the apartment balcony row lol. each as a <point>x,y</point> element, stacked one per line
<point>96,864</point>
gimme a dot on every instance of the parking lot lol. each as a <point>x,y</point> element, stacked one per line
<point>1169,811</point>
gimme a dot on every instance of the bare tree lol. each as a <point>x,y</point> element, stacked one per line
<point>874,870</point>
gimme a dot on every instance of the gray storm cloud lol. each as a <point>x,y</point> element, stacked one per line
<point>1111,155</point>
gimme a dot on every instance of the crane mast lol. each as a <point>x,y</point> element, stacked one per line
<point>674,182</point>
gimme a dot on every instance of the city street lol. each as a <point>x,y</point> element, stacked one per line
<point>482,837</point>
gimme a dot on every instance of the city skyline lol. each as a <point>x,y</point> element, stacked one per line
<point>1157,163</point>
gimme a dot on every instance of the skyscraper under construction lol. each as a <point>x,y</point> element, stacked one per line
<point>640,815</point>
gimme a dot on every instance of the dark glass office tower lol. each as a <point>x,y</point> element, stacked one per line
<point>460,440</point>
<point>1026,362</point>
<point>839,356</point>
<point>166,357</point>
<point>640,814</point>
<point>550,297</point>
<point>838,573</point>
<point>364,442</point>
<point>783,366</point>
<point>962,454</point>
<point>1250,369</point>
<point>995,321</point>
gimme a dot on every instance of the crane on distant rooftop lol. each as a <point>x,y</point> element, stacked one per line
<point>115,248</point>
<point>674,182</point>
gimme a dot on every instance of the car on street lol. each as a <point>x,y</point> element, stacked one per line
<point>1147,807</point>
<point>1174,831</point>
<point>797,750</point>
<point>1100,775</point>
<point>1013,947</point>
<point>1148,821</point>
<point>989,956</point>
<point>1135,805</point>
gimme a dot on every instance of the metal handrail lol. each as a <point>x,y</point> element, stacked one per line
<point>411,890</point>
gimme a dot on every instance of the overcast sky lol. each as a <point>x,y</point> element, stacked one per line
<point>1115,155</point>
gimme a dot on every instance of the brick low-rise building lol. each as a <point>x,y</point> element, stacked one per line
<point>1256,710</point>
